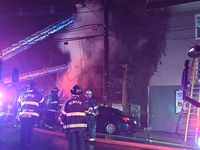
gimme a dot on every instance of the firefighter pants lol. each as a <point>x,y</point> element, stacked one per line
<point>26,130</point>
<point>51,119</point>
<point>91,127</point>
<point>76,140</point>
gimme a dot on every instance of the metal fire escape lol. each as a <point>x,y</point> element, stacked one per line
<point>26,43</point>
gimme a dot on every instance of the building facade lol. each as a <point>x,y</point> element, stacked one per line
<point>165,85</point>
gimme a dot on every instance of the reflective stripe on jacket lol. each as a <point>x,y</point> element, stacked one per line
<point>52,102</point>
<point>75,125</point>
<point>29,114</point>
<point>93,107</point>
<point>74,112</point>
<point>29,102</point>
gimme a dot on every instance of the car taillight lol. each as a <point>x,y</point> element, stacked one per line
<point>126,118</point>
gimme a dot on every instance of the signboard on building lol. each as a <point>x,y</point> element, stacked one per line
<point>181,105</point>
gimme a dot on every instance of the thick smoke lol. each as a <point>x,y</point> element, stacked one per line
<point>86,54</point>
<point>127,20</point>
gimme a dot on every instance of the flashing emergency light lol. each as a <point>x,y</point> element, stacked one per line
<point>1,99</point>
<point>1,95</point>
<point>198,141</point>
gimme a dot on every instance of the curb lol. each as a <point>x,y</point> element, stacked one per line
<point>150,145</point>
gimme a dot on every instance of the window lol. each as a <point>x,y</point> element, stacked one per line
<point>197,27</point>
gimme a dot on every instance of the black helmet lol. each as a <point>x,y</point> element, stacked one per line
<point>76,90</point>
<point>32,85</point>
<point>55,89</point>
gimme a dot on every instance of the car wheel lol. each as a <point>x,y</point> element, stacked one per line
<point>111,128</point>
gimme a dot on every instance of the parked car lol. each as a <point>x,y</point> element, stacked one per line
<point>112,121</point>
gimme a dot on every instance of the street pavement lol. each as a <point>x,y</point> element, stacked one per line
<point>49,140</point>
<point>55,140</point>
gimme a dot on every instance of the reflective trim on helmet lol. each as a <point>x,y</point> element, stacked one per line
<point>30,103</point>
<point>88,92</point>
<point>74,125</point>
<point>75,114</point>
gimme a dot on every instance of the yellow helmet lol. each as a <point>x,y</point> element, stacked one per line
<point>88,92</point>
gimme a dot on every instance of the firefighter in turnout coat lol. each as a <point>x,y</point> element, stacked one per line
<point>74,121</point>
<point>91,115</point>
<point>28,111</point>
<point>52,109</point>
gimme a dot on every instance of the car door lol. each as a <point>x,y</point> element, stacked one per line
<point>103,117</point>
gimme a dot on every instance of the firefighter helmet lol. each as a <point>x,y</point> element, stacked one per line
<point>88,92</point>
<point>55,89</point>
<point>32,85</point>
<point>76,90</point>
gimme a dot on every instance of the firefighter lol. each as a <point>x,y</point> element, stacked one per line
<point>28,111</point>
<point>74,121</point>
<point>39,121</point>
<point>92,113</point>
<point>52,104</point>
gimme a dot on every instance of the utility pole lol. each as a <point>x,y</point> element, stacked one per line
<point>106,56</point>
<point>106,82</point>
<point>124,89</point>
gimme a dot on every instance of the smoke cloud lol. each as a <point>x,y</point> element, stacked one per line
<point>86,48</point>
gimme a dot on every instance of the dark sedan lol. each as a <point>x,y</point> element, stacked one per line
<point>112,121</point>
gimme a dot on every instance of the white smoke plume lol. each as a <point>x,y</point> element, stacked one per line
<point>84,39</point>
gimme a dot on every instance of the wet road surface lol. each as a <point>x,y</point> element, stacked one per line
<point>50,140</point>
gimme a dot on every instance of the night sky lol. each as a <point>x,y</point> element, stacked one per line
<point>20,19</point>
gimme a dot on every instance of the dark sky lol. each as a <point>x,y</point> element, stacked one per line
<point>21,18</point>
<point>164,3</point>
